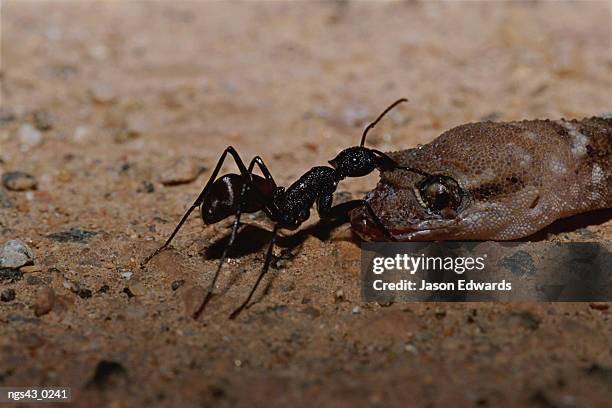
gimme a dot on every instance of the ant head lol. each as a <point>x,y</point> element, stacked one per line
<point>354,162</point>
<point>359,161</point>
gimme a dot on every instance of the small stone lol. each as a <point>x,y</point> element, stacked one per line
<point>138,289</point>
<point>5,201</point>
<point>102,93</point>
<point>180,171</point>
<point>126,275</point>
<point>128,292</point>
<point>11,275</point>
<point>123,135</point>
<point>84,293</point>
<point>177,284</point>
<point>356,310</point>
<point>29,136</point>
<point>107,374</point>
<point>71,286</point>
<point>44,301</point>
<point>599,305</point>
<point>19,181</point>
<point>7,295</point>
<point>72,235</point>
<point>81,134</point>
<point>30,269</point>
<point>15,254</point>
<point>146,187</point>
<point>33,280</point>
<point>440,313</point>
<point>411,348</point>
<point>193,299</point>
<point>6,116</point>
<point>43,120</point>
<point>312,312</point>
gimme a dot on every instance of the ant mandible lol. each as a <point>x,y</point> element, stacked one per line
<point>234,194</point>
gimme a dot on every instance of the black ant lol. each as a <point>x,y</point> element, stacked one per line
<point>234,194</point>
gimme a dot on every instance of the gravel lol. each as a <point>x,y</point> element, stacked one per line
<point>102,93</point>
<point>180,171</point>
<point>5,202</point>
<point>177,284</point>
<point>15,254</point>
<point>19,181</point>
<point>43,120</point>
<point>72,235</point>
<point>45,298</point>
<point>29,136</point>
<point>7,295</point>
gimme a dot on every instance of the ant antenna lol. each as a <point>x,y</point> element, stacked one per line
<point>371,125</point>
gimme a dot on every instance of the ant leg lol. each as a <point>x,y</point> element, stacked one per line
<point>326,210</point>
<point>236,223</point>
<point>198,201</point>
<point>263,168</point>
<point>264,270</point>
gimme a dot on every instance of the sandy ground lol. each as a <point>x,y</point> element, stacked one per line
<point>130,94</point>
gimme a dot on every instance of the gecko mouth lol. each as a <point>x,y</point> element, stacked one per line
<point>363,224</point>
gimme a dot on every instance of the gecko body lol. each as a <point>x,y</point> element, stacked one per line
<point>497,181</point>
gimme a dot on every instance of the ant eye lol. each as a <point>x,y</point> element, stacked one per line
<point>440,193</point>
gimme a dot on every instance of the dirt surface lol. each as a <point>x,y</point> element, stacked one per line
<point>120,110</point>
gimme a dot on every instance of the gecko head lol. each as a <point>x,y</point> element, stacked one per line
<point>427,210</point>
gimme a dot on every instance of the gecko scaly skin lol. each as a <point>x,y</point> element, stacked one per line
<point>494,181</point>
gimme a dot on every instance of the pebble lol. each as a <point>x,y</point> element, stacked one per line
<point>15,254</point>
<point>43,120</point>
<point>44,301</point>
<point>138,288</point>
<point>30,269</point>
<point>5,202</point>
<point>599,305</point>
<point>102,93</point>
<point>29,136</point>
<point>6,116</point>
<point>180,171</point>
<point>11,275</point>
<point>126,275</point>
<point>19,181</point>
<point>81,134</point>
<point>146,187</point>
<point>356,310</point>
<point>84,293</point>
<point>193,299</point>
<point>34,280</point>
<point>128,292</point>
<point>7,295</point>
<point>411,348</point>
<point>72,235</point>
<point>177,284</point>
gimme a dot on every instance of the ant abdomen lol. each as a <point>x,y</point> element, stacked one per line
<point>222,200</point>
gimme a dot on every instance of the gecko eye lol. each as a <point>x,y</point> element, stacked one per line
<point>440,194</point>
